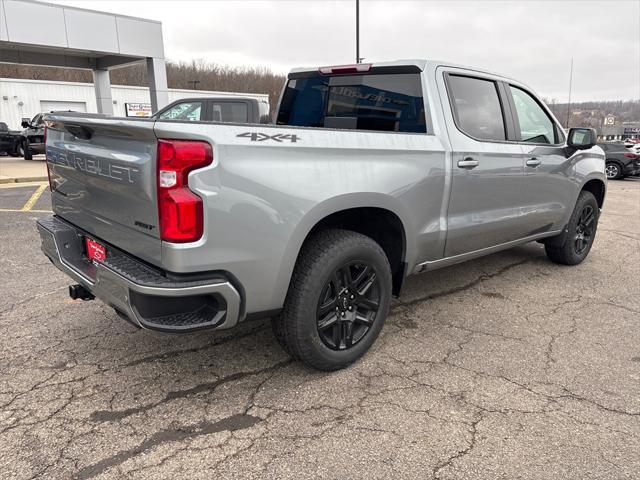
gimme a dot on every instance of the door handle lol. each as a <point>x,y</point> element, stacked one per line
<point>533,162</point>
<point>468,163</point>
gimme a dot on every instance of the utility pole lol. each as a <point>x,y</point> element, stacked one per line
<point>569,100</point>
<point>357,31</point>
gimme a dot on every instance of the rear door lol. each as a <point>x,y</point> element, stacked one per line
<point>104,179</point>
<point>487,168</point>
<point>230,111</point>
<point>548,190</point>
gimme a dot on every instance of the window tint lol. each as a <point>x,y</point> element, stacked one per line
<point>384,102</point>
<point>477,107</point>
<point>189,111</point>
<point>235,112</point>
<point>535,124</point>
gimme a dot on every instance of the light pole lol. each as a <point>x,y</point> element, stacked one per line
<point>357,31</point>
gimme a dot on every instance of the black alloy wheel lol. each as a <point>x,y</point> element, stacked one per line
<point>584,229</point>
<point>574,244</point>
<point>348,305</point>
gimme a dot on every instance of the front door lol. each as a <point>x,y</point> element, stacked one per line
<point>487,170</point>
<point>548,189</point>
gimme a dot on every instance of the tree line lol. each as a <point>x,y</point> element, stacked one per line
<point>195,75</point>
<point>592,114</point>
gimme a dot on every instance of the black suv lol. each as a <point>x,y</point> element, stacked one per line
<point>619,161</point>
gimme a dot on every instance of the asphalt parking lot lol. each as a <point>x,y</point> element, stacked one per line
<point>504,367</point>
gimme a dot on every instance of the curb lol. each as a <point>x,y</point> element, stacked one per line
<point>23,179</point>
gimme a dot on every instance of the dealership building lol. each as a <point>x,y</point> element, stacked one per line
<point>621,131</point>
<point>25,98</point>
<point>38,33</point>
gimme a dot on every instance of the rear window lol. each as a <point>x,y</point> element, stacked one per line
<point>384,102</point>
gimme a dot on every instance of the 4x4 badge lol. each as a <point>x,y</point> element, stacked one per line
<point>261,137</point>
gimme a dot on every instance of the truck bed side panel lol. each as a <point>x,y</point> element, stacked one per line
<point>268,186</point>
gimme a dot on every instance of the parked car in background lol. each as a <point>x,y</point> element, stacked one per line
<point>226,109</point>
<point>9,140</point>
<point>32,141</point>
<point>620,162</point>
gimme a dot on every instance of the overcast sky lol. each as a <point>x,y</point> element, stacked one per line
<point>532,41</point>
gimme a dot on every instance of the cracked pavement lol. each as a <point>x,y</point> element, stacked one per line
<point>504,367</point>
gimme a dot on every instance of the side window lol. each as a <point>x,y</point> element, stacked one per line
<point>477,107</point>
<point>234,112</point>
<point>189,111</point>
<point>535,124</point>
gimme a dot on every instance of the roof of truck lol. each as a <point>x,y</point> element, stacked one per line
<point>422,64</point>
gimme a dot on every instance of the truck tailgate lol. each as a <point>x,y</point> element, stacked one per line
<point>103,174</point>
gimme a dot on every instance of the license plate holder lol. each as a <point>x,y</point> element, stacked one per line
<point>96,252</point>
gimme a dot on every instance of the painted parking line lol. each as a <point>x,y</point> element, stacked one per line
<point>34,198</point>
<point>21,184</point>
<point>13,210</point>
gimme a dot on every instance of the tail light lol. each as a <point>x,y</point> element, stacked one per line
<point>631,155</point>
<point>345,69</point>
<point>180,210</point>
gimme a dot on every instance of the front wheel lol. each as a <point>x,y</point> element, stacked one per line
<point>28,154</point>
<point>580,234</point>
<point>337,301</point>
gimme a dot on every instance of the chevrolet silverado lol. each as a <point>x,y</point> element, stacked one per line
<point>371,173</point>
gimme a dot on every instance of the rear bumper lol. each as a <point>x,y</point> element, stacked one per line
<point>146,296</point>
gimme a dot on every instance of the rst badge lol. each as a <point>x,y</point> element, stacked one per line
<point>261,137</point>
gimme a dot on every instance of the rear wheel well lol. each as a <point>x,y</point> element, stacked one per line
<point>383,226</point>
<point>596,187</point>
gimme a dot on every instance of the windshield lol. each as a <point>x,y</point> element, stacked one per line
<point>384,102</point>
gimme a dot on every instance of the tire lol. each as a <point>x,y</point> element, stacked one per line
<point>19,152</point>
<point>28,155</point>
<point>613,171</point>
<point>580,232</point>
<point>337,302</point>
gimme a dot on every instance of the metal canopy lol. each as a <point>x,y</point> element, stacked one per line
<point>37,33</point>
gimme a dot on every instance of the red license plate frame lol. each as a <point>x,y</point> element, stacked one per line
<point>96,252</point>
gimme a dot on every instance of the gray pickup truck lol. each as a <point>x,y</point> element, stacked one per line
<point>373,172</point>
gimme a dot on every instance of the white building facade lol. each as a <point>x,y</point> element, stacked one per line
<point>26,98</point>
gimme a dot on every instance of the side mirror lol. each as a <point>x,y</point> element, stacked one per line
<point>25,124</point>
<point>581,138</point>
